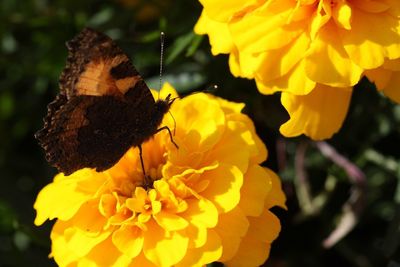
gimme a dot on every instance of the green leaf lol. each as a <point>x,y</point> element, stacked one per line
<point>101,17</point>
<point>179,46</point>
<point>194,45</point>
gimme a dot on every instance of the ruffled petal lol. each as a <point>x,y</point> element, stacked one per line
<point>201,212</point>
<point>258,231</point>
<point>277,63</point>
<point>65,195</point>
<point>210,252</point>
<point>200,113</point>
<point>81,242</point>
<point>368,46</point>
<point>256,186</point>
<point>258,238</point>
<point>295,82</point>
<point>243,64</point>
<point>105,254</point>
<point>255,256</point>
<point>231,228</point>
<point>272,31</point>
<point>60,251</point>
<point>275,196</point>
<point>319,114</point>
<point>218,33</point>
<point>392,89</point>
<point>380,77</point>
<point>170,222</point>
<point>224,192</point>
<point>129,240</point>
<point>224,10</point>
<point>163,248</point>
<point>232,138</point>
<point>328,63</point>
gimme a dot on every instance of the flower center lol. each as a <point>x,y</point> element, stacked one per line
<point>153,173</point>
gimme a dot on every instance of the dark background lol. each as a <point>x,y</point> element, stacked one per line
<point>320,192</point>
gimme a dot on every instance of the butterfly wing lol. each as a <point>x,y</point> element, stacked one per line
<point>96,66</point>
<point>89,131</point>
<point>102,107</point>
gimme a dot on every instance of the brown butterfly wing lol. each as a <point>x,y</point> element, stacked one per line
<point>104,107</point>
<point>90,131</point>
<point>96,66</point>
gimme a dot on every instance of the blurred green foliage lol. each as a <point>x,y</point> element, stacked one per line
<point>32,37</point>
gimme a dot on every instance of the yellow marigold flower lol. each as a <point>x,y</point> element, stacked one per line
<point>209,201</point>
<point>313,51</point>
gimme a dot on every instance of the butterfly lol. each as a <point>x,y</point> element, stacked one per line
<point>103,108</point>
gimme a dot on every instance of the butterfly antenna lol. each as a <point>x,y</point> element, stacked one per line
<point>210,89</point>
<point>162,38</point>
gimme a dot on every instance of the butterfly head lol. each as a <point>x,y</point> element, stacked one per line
<point>163,105</point>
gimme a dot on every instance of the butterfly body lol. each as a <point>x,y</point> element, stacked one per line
<point>104,107</point>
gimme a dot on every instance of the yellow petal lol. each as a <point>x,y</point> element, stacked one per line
<point>106,254</point>
<point>197,235</point>
<point>277,63</point>
<point>371,6</point>
<point>108,204</point>
<point>393,65</point>
<point>163,248</point>
<point>243,64</point>
<point>372,38</point>
<point>81,242</point>
<point>231,228</point>
<point>88,218</point>
<point>224,192</point>
<point>226,150</point>
<point>141,261</point>
<point>268,227</point>
<point>59,249</point>
<point>319,19</point>
<point>211,251</point>
<point>275,197</point>
<point>379,76</point>
<point>246,257</point>
<point>224,10</point>
<point>258,150</point>
<point>264,228</point>
<point>392,89</point>
<point>62,198</point>
<point>262,30</point>
<point>230,107</point>
<point>394,7</point>
<point>218,33</point>
<point>318,115</point>
<point>327,61</point>
<point>128,240</point>
<point>201,212</point>
<point>295,82</point>
<point>342,15</point>
<point>201,124</point>
<point>255,188</point>
<point>170,222</point>
<point>386,78</point>
<point>166,90</point>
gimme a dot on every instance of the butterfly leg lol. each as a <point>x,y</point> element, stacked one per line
<point>170,134</point>
<point>148,182</point>
<point>141,160</point>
